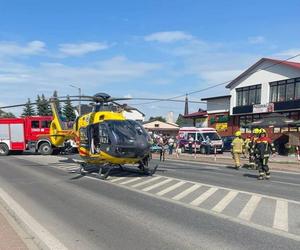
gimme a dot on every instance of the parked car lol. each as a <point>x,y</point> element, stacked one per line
<point>227,140</point>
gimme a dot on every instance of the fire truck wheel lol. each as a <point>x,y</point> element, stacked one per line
<point>45,149</point>
<point>4,150</point>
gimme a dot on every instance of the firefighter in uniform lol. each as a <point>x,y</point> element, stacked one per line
<point>252,156</point>
<point>237,148</point>
<point>263,148</point>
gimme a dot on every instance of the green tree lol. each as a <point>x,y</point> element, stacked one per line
<point>157,118</point>
<point>38,105</point>
<point>57,102</point>
<point>43,107</point>
<point>28,109</point>
<point>68,110</point>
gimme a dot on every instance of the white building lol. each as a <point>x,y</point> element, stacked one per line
<point>267,81</point>
<point>266,87</point>
<point>164,128</point>
<point>218,104</point>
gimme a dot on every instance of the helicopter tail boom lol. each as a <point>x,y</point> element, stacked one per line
<point>58,133</point>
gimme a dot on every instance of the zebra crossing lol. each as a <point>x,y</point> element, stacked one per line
<point>265,211</point>
<point>221,200</point>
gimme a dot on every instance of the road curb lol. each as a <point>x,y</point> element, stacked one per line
<point>40,236</point>
<point>211,163</point>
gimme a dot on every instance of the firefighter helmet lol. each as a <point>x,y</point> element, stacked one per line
<point>238,133</point>
<point>256,131</point>
<point>263,131</point>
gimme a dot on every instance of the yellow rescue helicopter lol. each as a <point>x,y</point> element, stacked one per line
<point>105,138</point>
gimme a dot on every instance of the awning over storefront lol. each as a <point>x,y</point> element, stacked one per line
<point>272,120</point>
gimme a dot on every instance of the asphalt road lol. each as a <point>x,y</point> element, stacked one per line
<point>184,206</point>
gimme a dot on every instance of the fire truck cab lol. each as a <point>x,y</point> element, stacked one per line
<point>28,133</point>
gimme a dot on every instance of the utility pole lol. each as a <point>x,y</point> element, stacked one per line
<point>79,102</point>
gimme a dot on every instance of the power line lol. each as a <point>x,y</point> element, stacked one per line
<point>222,83</point>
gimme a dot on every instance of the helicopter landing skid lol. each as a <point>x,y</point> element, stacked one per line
<point>102,174</point>
<point>146,170</point>
<point>104,171</point>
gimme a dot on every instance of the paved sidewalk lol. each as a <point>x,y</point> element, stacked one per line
<point>9,238</point>
<point>283,163</point>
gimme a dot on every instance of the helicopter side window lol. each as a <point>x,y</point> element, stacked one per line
<point>83,136</point>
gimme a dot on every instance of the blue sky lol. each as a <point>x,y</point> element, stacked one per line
<point>138,48</point>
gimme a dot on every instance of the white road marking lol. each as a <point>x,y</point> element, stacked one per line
<point>171,188</point>
<point>32,225</point>
<point>281,216</point>
<point>220,215</point>
<point>287,183</point>
<point>146,182</point>
<point>225,201</point>
<point>157,185</point>
<point>203,196</point>
<point>121,178</point>
<point>129,181</point>
<point>186,192</point>
<point>249,208</point>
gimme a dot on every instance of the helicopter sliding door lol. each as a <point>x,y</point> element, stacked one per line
<point>99,139</point>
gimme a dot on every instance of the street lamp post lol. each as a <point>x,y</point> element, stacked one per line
<point>79,102</point>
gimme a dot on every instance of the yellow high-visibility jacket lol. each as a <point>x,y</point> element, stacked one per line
<point>237,145</point>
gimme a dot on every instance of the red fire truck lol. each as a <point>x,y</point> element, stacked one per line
<point>28,133</point>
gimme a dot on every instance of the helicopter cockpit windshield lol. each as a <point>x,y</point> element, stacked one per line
<point>119,137</point>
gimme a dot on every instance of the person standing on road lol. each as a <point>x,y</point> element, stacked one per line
<point>161,144</point>
<point>252,157</point>
<point>208,144</point>
<point>247,146</point>
<point>191,142</point>
<point>177,148</point>
<point>171,145</point>
<point>237,148</point>
<point>263,148</point>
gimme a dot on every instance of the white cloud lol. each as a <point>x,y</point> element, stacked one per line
<point>14,49</point>
<point>256,40</point>
<point>73,49</point>
<point>289,53</point>
<point>116,76</point>
<point>168,36</point>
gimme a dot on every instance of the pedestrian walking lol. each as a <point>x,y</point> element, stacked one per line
<point>237,149</point>
<point>263,149</point>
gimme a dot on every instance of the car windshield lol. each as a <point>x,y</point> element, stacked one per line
<point>211,136</point>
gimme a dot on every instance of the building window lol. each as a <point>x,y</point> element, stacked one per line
<point>297,89</point>
<point>287,90</point>
<point>248,95</point>
<point>244,121</point>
